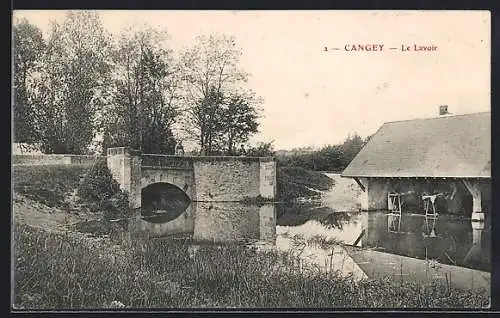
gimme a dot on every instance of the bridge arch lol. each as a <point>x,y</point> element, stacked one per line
<point>165,197</point>
<point>181,179</point>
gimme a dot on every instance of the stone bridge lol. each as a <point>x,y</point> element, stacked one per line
<point>202,178</point>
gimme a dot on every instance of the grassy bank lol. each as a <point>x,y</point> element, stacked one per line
<point>65,271</point>
<point>49,184</point>
<point>296,182</point>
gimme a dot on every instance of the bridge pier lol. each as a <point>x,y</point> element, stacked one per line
<point>125,166</point>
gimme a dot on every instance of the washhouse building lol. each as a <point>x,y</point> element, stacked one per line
<point>447,158</point>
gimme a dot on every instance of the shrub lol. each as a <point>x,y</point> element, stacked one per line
<point>101,192</point>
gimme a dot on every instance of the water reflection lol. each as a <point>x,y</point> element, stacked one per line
<point>475,255</point>
<point>231,222</point>
<point>446,238</point>
<point>394,223</point>
<point>430,226</point>
<point>212,222</point>
<point>299,214</point>
<point>162,224</point>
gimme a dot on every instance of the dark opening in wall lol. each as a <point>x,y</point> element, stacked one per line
<point>164,201</point>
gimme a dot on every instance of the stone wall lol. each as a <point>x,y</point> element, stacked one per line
<point>226,178</point>
<point>125,167</point>
<point>25,149</point>
<point>183,179</point>
<point>205,179</point>
<point>268,178</point>
<point>61,159</point>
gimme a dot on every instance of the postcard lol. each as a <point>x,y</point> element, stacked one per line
<point>192,160</point>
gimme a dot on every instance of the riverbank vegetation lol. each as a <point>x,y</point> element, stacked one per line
<point>332,158</point>
<point>100,192</point>
<point>296,182</point>
<point>76,188</point>
<point>64,271</point>
<point>299,173</point>
<point>47,184</point>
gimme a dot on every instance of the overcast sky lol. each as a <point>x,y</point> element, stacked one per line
<point>314,97</point>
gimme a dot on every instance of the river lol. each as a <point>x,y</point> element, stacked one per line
<point>334,235</point>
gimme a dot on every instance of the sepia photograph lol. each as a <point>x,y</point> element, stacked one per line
<point>223,159</point>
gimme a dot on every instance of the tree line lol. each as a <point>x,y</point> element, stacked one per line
<point>328,158</point>
<point>130,89</point>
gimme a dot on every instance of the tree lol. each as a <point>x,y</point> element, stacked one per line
<point>239,121</point>
<point>263,149</point>
<point>146,93</point>
<point>71,87</point>
<point>210,70</point>
<point>223,122</point>
<point>351,146</point>
<point>328,158</point>
<point>28,47</point>
<point>205,120</point>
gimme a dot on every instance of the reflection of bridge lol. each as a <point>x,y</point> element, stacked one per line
<point>214,222</point>
<point>212,179</point>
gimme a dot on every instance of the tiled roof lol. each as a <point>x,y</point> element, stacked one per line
<point>448,146</point>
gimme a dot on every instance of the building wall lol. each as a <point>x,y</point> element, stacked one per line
<point>486,196</point>
<point>459,203</point>
<point>363,197</point>
<point>377,193</point>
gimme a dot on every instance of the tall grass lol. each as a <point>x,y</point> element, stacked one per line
<point>65,271</point>
<point>47,184</point>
